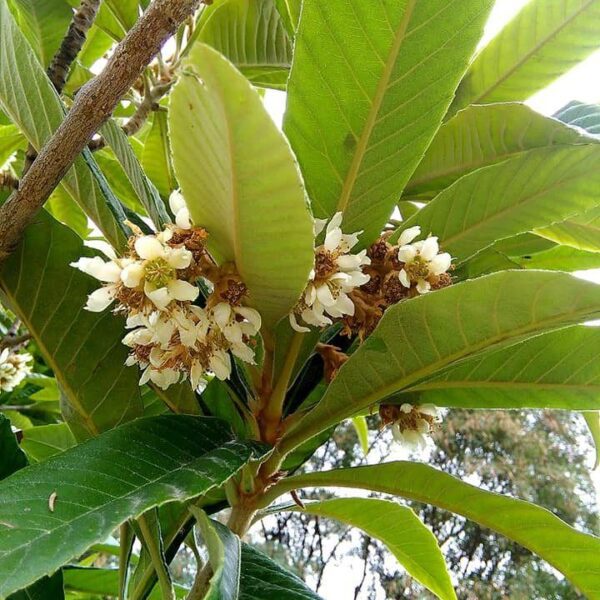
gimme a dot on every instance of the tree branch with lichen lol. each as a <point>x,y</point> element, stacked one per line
<point>92,106</point>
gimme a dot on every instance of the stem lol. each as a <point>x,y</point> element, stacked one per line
<point>125,546</point>
<point>273,410</point>
<point>164,578</point>
<point>240,518</point>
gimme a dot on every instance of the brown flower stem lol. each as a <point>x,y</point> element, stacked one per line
<point>14,341</point>
<point>66,54</point>
<point>92,106</point>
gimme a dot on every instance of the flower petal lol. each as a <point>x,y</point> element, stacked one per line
<point>440,264</point>
<point>182,290</point>
<point>406,254</point>
<point>160,297</point>
<point>179,258</point>
<point>149,248</point>
<point>100,299</point>
<point>430,248</point>
<point>404,279</point>
<point>423,286</point>
<point>408,235</point>
<point>132,275</point>
<point>295,326</point>
<point>325,296</point>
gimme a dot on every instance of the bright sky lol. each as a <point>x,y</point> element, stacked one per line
<point>581,83</point>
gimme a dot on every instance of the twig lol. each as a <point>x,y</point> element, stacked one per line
<point>13,341</point>
<point>66,54</point>
<point>92,106</point>
<point>8,180</point>
<point>149,104</point>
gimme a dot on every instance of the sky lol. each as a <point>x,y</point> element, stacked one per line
<point>581,83</point>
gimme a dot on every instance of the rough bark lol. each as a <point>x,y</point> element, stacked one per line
<point>93,105</point>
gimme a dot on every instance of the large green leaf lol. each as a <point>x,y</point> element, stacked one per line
<point>532,190</point>
<point>44,24</point>
<point>413,544</point>
<point>562,258</point>
<point>47,588</point>
<point>586,116</point>
<point>156,158</point>
<point>146,191</point>
<point>545,40</point>
<point>369,86</point>
<point>479,136</point>
<point>419,337</point>
<point>573,553</point>
<point>45,441</point>
<point>13,458</point>
<point>224,552</point>
<point>103,482</point>
<point>263,579</point>
<point>240,181</point>
<point>83,349</point>
<point>30,100</point>
<point>290,13</point>
<point>581,231</point>
<point>10,141</point>
<point>103,583</point>
<point>559,369</point>
<point>252,35</point>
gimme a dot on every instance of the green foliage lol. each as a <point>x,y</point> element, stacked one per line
<point>546,39</point>
<point>87,357</point>
<point>413,545</point>
<point>135,467</point>
<point>261,223</point>
<point>393,119</point>
<point>367,91</point>
<point>535,528</point>
<point>381,366</point>
<point>251,34</point>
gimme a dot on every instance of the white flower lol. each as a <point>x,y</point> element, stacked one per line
<point>180,210</point>
<point>422,261</point>
<point>336,274</point>
<point>14,367</point>
<point>237,323</point>
<point>109,272</point>
<point>413,423</point>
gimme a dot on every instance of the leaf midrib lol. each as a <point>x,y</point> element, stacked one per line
<point>527,386</point>
<point>376,104</point>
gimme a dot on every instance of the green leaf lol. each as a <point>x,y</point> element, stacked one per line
<point>413,544</point>
<point>559,369</point>
<point>586,116</point>
<point>13,458</point>
<point>144,188</point>
<point>546,39</point>
<point>47,588</point>
<point>222,139</point>
<point>289,11</point>
<point>479,136</point>
<point>10,141</point>
<point>593,422</point>
<point>44,24</point>
<point>103,582</point>
<point>418,337</point>
<point>369,85</point>
<point>573,553</point>
<point>125,11</point>
<point>562,258</point>
<point>103,482</point>
<point>64,209</point>
<point>224,553</point>
<point>264,579</point>
<point>581,232</point>
<point>30,100</point>
<point>532,190</point>
<point>252,35</point>
<point>83,349</point>
<point>45,441</point>
<point>362,432</point>
<point>156,159</point>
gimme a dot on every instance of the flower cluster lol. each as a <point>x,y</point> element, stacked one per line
<point>397,272</point>
<point>154,286</point>
<point>14,367</point>
<point>336,273</point>
<point>410,423</point>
